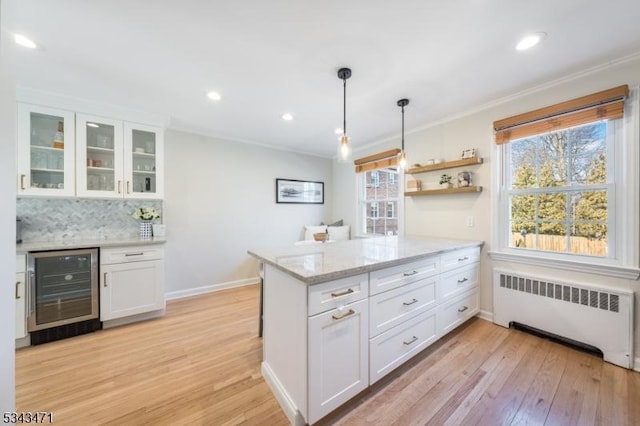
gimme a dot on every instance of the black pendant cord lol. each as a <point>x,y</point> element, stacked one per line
<point>344,106</point>
<point>403,128</point>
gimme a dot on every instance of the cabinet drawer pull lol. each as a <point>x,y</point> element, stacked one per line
<point>464,308</point>
<point>349,312</point>
<point>410,303</point>
<point>413,339</point>
<point>105,279</point>
<point>464,280</point>
<point>408,274</point>
<point>133,254</point>
<point>344,293</point>
<point>462,259</point>
<point>22,181</point>
<point>17,289</point>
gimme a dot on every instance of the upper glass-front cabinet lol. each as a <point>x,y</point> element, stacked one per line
<point>143,161</point>
<point>46,145</point>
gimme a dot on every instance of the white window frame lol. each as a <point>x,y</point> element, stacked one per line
<point>375,179</point>
<point>361,208</point>
<point>622,261</point>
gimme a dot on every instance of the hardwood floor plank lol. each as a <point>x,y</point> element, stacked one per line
<point>200,365</point>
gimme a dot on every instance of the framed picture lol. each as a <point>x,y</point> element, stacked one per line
<point>468,153</point>
<point>299,191</point>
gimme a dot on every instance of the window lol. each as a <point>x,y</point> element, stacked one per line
<point>559,190</point>
<point>563,194</point>
<point>379,203</point>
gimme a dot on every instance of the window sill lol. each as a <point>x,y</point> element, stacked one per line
<point>607,270</point>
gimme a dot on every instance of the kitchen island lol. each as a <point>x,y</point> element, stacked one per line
<point>340,316</point>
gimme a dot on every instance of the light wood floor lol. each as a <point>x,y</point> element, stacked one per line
<point>200,365</point>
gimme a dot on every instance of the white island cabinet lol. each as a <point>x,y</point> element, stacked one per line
<point>338,317</point>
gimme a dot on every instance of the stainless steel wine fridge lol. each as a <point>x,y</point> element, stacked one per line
<point>62,294</point>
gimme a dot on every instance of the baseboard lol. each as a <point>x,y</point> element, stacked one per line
<point>179,294</point>
<point>485,315</point>
<point>637,365</point>
<point>287,405</point>
<point>133,318</point>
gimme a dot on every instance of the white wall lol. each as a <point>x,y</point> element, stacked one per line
<point>220,202</point>
<point>7,212</point>
<point>446,215</point>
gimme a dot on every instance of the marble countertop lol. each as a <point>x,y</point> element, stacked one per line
<point>316,263</point>
<point>23,248</point>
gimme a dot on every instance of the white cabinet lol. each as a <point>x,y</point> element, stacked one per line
<point>131,281</point>
<point>61,153</point>
<point>45,151</point>
<point>21,304</point>
<point>338,357</point>
<point>118,159</point>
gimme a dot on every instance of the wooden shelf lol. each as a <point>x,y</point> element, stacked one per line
<point>444,191</point>
<point>446,165</point>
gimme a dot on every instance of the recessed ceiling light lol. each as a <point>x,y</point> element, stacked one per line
<point>92,124</point>
<point>25,42</point>
<point>287,117</point>
<point>214,96</point>
<point>338,131</point>
<point>528,41</point>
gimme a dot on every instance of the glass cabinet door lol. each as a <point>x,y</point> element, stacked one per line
<point>99,161</point>
<point>143,161</point>
<point>45,151</point>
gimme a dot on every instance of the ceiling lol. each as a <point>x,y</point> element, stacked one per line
<point>266,58</point>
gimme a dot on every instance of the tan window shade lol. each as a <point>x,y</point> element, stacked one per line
<point>605,105</point>
<point>381,160</point>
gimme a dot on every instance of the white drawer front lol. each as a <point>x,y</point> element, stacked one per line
<point>452,314</point>
<point>458,281</point>
<point>389,350</point>
<point>458,258</point>
<point>396,276</point>
<point>21,263</point>
<point>333,294</point>
<point>392,307</point>
<point>130,254</point>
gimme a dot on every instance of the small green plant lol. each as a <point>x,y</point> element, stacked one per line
<point>445,178</point>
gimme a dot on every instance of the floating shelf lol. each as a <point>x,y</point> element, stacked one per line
<point>446,165</point>
<point>444,191</point>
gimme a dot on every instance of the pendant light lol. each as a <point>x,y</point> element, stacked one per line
<point>344,150</point>
<point>402,157</point>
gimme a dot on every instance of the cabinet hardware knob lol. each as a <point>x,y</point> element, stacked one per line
<point>134,254</point>
<point>464,280</point>
<point>464,308</point>
<point>344,293</point>
<point>22,181</point>
<point>410,303</point>
<point>408,274</point>
<point>17,289</point>
<point>105,279</point>
<point>349,312</point>
<point>462,259</point>
<point>119,187</point>
<point>413,339</point>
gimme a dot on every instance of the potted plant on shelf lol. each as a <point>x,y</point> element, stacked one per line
<point>445,181</point>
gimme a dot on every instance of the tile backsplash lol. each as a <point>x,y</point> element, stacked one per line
<point>46,219</point>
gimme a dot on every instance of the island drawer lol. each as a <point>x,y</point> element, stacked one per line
<point>390,349</point>
<point>458,258</point>
<point>332,294</point>
<point>131,254</point>
<point>393,307</point>
<point>453,313</point>
<point>458,281</point>
<point>396,276</point>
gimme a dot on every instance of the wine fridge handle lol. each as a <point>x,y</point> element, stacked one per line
<point>31,285</point>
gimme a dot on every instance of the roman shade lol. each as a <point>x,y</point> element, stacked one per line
<point>381,160</point>
<point>605,105</point>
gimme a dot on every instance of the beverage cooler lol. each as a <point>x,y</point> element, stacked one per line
<point>62,294</point>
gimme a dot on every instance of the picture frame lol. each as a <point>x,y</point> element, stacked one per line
<point>468,153</point>
<point>292,191</point>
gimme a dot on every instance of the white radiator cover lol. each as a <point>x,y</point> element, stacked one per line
<point>598,316</point>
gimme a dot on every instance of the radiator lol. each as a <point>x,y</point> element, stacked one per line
<point>597,316</point>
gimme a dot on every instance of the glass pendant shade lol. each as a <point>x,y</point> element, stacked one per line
<point>402,160</point>
<point>344,149</point>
